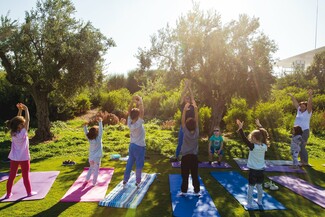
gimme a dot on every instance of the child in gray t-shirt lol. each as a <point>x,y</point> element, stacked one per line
<point>189,151</point>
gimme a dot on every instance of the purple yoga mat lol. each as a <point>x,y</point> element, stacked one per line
<point>4,176</point>
<point>205,165</point>
<point>80,192</point>
<point>311,192</point>
<point>41,182</point>
<point>270,167</point>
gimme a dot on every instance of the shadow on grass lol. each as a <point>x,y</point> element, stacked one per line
<point>55,210</point>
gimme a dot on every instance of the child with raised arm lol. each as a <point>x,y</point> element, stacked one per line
<point>189,151</point>
<point>19,153</point>
<point>296,142</point>
<point>137,146</point>
<point>216,145</point>
<point>186,97</point>
<point>257,144</point>
<point>94,136</point>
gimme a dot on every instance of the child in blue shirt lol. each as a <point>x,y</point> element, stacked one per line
<point>216,145</point>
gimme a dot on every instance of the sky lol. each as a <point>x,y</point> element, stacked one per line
<point>290,23</point>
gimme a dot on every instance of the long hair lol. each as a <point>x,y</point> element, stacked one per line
<point>190,124</point>
<point>134,114</point>
<point>14,123</point>
<point>93,133</point>
<point>261,135</point>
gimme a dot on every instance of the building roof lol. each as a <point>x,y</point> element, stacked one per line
<point>305,58</point>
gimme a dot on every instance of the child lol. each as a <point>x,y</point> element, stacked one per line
<point>216,145</point>
<point>189,151</point>
<point>94,136</point>
<point>256,162</point>
<point>137,146</point>
<point>19,153</point>
<point>295,145</point>
<point>189,113</point>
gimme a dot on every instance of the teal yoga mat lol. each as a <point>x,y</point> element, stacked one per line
<point>237,186</point>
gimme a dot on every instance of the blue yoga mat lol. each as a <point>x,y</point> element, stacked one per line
<point>237,185</point>
<point>190,205</point>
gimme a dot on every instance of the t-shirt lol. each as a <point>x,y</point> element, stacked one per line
<point>295,143</point>
<point>96,145</point>
<point>20,146</point>
<point>216,141</point>
<point>303,119</point>
<point>256,157</point>
<point>137,132</point>
<point>190,142</point>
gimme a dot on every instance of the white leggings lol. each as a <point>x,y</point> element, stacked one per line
<point>259,194</point>
<point>93,169</point>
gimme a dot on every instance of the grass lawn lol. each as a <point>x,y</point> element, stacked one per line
<point>70,143</point>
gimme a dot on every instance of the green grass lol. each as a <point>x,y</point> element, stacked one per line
<point>70,143</point>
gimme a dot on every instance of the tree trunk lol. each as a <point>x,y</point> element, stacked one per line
<point>218,108</point>
<point>43,132</point>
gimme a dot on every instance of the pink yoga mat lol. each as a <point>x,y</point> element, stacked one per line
<point>41,183</point>
<point>5,176</point>
<point>80,192</point>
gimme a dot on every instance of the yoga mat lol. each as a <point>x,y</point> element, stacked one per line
<point>190,205</point>
<point>79,192</point>
<point>41,182</point>
<point>5,176</point>
<point>129,196</point>
<point>237,186</point>
<point>271,166</point>
<point>311,192</point>
<point>224,165</point>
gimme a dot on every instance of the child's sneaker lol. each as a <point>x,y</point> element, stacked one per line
<point>267,184</point>
<point>137,185</point>
<point>198,194</point>
<point>181,194</point>
<point>273,187</point>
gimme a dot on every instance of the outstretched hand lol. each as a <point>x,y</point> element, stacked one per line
<point>257,122</point>
<point>240,124</point>
<point>310,92</point>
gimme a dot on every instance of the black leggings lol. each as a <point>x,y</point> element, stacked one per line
<point>189,166</point>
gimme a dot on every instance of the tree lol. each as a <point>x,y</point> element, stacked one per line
<point>317,70</point>
<point>222,61</point>
<point>51,51</point>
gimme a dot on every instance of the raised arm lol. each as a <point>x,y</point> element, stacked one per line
<point>183,95</point>
<point>140,107</point>
<point>294,101</point>
<point>257,122</point>
<point>310,101</point>
<point>242,134</point>
<point>20,109</point>
<point>196,114</point>
<point>184,114</point>
<point>100,126</point>
<point>27,119</point>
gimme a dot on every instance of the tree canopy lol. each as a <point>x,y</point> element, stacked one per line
<point>51,51</point>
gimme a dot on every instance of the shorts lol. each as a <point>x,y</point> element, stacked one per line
<point>255,177</point>
<point>214,150</point>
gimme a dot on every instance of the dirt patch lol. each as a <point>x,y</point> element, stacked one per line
<point>90,114</point>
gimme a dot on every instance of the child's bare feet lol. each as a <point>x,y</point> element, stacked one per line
<point>8,196</point>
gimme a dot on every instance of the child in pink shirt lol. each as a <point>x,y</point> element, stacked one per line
<point>19,153</point>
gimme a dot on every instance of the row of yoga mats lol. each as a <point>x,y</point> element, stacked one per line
<point>130,196</point>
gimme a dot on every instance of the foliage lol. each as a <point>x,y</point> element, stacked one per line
<point>115,82</point>
<point>237,109</point>
<point>317,122</point>
<point>317,70</point>
<point>51,51</point>
<point>169,105</point>
<point>116,101</point>
<point>220,60</point>
<point>204,120</point>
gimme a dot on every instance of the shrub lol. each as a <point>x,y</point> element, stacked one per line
<point>317,122</point>
<point>205,119</point>
<point>238,109</point>
<point>116,100</point>
<point>82,103</point>
<point>169,105</point>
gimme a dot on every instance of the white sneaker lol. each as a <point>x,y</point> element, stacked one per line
<point>267,184</point>
<point>273,187</point>
<point>181,194</point>
<point>198,194</point>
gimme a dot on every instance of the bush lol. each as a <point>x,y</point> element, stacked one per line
<point>82,104</point>
<point>169,105</point>
<point>238,109</point>
<point>317,122</point>
<point>116,100</point>
<point>205,119</point>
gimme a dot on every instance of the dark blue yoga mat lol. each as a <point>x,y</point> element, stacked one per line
<point>190,205</point>
<point>237,185</point>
